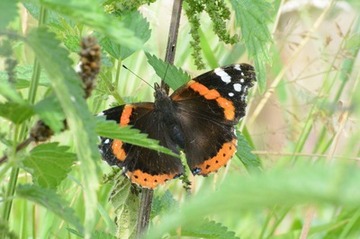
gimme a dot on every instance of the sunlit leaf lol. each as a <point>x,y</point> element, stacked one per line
<point>135,22</point>
<point>17,113</point>
<point>253,16</point>
<point>172,75</point>
<point>49,164</point>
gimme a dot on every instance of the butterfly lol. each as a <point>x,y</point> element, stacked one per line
<point>199,118</point>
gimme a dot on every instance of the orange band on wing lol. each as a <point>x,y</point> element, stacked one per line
<point>117,145</point>
<point>220,159</point>
<point>126,114</point>
<point>146,180</point>
<point>117,149</point>
<point>227,105</point>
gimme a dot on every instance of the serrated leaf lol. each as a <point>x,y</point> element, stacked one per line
<point>8,12</point>
<point>90,13</point>
<point>23,77</point>
<point>68,90</point>
<point>49,164</point>
<point>135,22</point>
<point>110,129</point>
<point>253,16</point>
<point>250,160</point>
<point>172,75</point>
<point>16,113</point>
<point>126,205</point>
<point>163,202</point>
<point>49,111</point>
<point>208,229</point>
<point>50,200</point>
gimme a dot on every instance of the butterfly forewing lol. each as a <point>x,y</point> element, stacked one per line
<point>198,118</point>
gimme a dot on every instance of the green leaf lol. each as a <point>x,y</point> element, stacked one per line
<point>17,113</point>
<point>250,160</point>
<point>8,91</point>
<point>134,22</point>
<point>336,185</point>
<point>110,129</point>
<point>8,12</point>
<point>254,17</point>
<point>102,235</point>
<point>163,202</point>
<point>68,90</point>
<point>50,200</point>
<point>49,164</point>
<point>90,13</point>
<point>126,204</point>
<point>23,77</point>
<point>49,111</point>
<point>172,75</point>
<point>207,229</point>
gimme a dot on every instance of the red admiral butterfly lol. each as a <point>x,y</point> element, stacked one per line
<point>198,118</point>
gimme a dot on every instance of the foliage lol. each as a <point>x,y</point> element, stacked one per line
<point>305,185</point>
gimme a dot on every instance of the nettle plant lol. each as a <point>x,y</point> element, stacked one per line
<point>62,63</point>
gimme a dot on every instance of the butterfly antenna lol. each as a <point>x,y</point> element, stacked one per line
<point>138,76</point>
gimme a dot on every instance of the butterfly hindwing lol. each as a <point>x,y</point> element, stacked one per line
<point>145,167</point>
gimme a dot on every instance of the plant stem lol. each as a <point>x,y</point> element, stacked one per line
<point>147,194</point>
<point>172,38</point>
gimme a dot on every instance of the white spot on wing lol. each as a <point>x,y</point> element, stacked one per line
<point>107,141</point>
<point>78,67</point>
<point>237,87</point>
<point>223,75</point>
<point>242,80</point>
<point>237,67</point>
<point>100,114</point>
<point>231,94</point>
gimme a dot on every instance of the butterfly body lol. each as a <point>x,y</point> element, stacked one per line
<point>199,118</point>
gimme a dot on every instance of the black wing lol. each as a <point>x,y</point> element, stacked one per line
<point>145,167</point>
<point>208,108</point>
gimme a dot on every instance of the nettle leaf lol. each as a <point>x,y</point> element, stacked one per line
<point>134,22</point>
<point>90,13</point>
<point>254,17</point>
<point>173,76</point>
<point>250,160</point>
<point>23,77</point>
<point>110,129</point>
<point>49,164</point>
<point>126,204</point>
<point>68,89</point>
<point>8,12</point>
<point>49,199</point>
<point>50,111</point>
<point>15,112</point>
<point>163,203</point>
<point>208,229</point>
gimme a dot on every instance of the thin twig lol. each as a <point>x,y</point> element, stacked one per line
<point>147,194</point>
<point>21,146</point>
